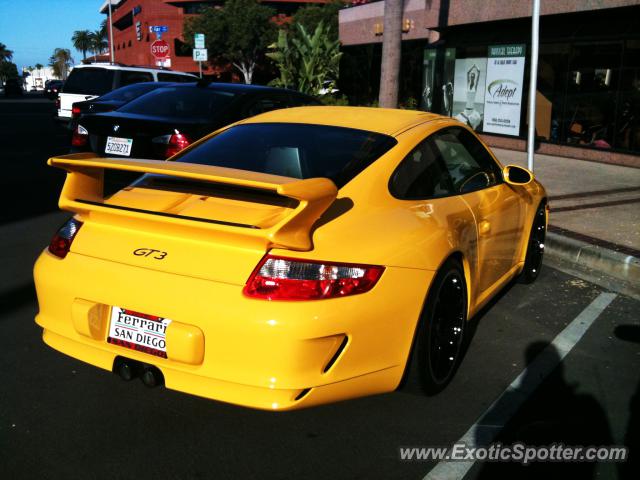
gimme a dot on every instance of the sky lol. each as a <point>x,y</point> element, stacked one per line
<point>34,28</point>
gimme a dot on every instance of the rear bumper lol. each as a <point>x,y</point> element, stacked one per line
<point>260,354</point>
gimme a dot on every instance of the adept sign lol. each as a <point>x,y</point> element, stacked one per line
<point>503,96</point>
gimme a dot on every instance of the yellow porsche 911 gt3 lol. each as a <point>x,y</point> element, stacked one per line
<point>295,258</point>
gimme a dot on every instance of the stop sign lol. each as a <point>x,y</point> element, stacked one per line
<point>160,49</point>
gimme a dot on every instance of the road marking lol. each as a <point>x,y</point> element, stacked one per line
<point>482,433</point>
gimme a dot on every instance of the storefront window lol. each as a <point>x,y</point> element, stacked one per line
<point>552,83</point>
<point>627,135</point>
<point>590,111</point>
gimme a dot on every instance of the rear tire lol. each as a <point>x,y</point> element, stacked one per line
<point>535,247</point>
<point>440,332</point>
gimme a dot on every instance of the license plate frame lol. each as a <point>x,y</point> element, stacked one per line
<point>118,146</point>
<point>138,331</point>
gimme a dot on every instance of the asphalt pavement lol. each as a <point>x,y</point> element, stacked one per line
<point>60,418</point>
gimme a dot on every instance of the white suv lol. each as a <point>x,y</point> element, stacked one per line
<point>92,80</point>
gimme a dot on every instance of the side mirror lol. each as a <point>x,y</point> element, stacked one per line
<point>515,175</point>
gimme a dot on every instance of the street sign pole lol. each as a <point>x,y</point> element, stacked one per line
<point>199,52</point>
<point>533,77</point>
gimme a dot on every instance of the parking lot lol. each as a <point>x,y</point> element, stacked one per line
<point>59,417</point>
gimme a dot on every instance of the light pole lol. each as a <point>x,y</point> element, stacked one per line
<point>533,78</point>
<point>112,56</point>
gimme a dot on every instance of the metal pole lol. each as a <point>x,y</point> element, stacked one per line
<point>200,68</point>
<point>111,36</point>
<point>533,78</point>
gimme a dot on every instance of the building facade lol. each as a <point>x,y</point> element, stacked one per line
<point>470,59</point>
<point>132,38</point>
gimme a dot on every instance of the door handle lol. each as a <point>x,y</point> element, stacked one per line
<point>484,227</point>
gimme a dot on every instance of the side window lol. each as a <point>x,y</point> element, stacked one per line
<point>467,161</point>
<point>172,77</point>
<point>422,174</point>
<point>266,104</point>
<point>129,77</point>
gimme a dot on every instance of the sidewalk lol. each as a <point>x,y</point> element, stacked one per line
<point>594,221</point>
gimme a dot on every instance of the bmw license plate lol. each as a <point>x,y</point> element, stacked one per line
<point>118,146</point>
<point>138,331</point>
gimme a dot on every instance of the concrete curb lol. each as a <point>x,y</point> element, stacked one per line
<point>582,254</point>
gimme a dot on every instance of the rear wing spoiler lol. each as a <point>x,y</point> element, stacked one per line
<point>83,193</point>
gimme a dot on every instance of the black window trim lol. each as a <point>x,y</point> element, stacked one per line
<point>429,138</point>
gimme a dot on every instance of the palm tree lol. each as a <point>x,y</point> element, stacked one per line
<point>39,67</point>
<point>98,42</point>
<point>104,28</point>
<point>5,53</point>
<point>391,52</point>
<point>61,61</point>
<point>82,41</point>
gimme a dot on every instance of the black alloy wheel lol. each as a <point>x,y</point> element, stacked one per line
<point>535,247</point>
<point>441,331</point>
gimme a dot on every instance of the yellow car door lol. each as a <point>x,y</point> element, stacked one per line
<point>497,209</point>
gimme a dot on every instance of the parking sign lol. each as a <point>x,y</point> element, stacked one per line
<point>200,55</point>
<point>198,40</point>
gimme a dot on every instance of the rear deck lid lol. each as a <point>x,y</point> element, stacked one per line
<point>208,222</point>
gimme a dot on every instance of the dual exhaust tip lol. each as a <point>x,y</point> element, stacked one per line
<point>128,369</point>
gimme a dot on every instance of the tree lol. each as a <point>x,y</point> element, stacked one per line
<point>82,41</point>
<point>98,42</point>
<point>239,33</point>
<point>39,67</point>
<point>5,53</point>
<point>8,70</point>
<point>391,52</point>
<point>310,16</point>
<point>61,62</point>
<point>104,28</point>
<point>306,61</point>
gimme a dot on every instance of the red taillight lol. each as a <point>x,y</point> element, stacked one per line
<point>75,112</point>
<point>61,241</point>
<point>79,137</point>
<point>279,278</point>
<point>169,145</point>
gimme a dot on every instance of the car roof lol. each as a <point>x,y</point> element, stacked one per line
<point>109,66</point>
<point>245,88</point>
<point>381,120</point>
<point>242,88</point>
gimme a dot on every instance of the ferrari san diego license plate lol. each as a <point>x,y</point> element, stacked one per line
<point>138,331</point>
<point>118,146</point>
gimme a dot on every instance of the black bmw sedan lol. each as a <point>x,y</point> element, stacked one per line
<point>113,99</point>
<point>162,122</point>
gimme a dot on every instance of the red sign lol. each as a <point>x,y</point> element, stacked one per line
<point>160,49</point>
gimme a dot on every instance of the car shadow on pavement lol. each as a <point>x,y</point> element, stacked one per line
<point>629,470</point>
<point>16,297</point>
<point>557,413</point>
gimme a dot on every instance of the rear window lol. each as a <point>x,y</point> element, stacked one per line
<point>293,150</point>
<point>180,102</point>
<point>89,81</point>
<point>126,94</point>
